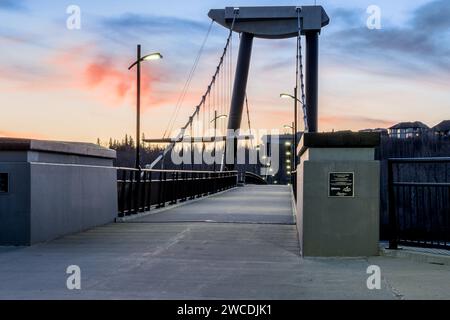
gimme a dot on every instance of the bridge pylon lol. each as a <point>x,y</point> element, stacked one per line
<point>271,23</point>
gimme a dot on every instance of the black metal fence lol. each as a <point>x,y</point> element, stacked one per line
<point>252,178</point>
<point>419,202</point>
<point>140,190</point>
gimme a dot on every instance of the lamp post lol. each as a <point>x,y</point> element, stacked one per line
<point>216,117</point>
<point>137,63</point>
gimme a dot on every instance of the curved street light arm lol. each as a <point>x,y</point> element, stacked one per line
<point>219,117</point>
<point>157,55</point>
<point>284,95</point>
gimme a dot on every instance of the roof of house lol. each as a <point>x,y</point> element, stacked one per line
<point>442,126</point>
<point>374,130</point>
<point>406,125</point>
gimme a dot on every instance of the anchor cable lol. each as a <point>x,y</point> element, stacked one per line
<point>300,69</point>
<point>203,99</point>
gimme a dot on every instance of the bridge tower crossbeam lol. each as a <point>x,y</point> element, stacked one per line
<point>272,23</point>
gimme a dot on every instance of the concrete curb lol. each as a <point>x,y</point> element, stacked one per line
<point>423,257</point>
<point>294,205</point>
<point>168,207</point>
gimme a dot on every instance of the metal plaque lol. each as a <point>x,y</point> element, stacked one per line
<point>4,183</point>
<point>341,184</point>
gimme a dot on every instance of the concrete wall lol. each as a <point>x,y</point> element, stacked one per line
<point>52,194</point>
<point>347,226</point>
<point>15,205</point>
<point>78,197</point>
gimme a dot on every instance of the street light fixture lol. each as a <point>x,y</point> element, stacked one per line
<point>222,116</point>
<point>294,126</point>
<point>290,96</point>
<point>149,57</point>
<point>152,56</point>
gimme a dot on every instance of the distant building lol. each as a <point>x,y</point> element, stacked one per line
<point>442,129</point>
<point>382,131</point>
<point>405,130</point>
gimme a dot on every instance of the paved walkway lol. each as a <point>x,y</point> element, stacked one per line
<point>252,204</point>
<point>147,259</point>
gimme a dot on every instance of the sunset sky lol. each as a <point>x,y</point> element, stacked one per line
<point>74,85</point>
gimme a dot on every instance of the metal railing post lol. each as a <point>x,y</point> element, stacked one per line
<point>393,236</point>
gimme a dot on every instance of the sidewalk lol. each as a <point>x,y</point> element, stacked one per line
<point>418,254</point>
<point>235,253</point>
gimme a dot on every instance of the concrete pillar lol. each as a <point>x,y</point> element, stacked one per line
<point>312,79</point>
<point>338,194</point>
<point>54,188</point>
<point>239,92</point>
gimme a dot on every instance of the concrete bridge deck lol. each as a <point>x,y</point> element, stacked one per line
<point>252,204</point>
<point>250,252</point>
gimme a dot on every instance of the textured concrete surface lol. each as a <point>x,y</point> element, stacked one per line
<point>418,255</point>
<point>53,194</point>
<point>338,226</point>
<point>199,260</point>
<point>250,204</point>
<point>413,280</point>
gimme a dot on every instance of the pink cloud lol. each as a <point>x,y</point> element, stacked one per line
<point>330,122</point>
<point>107,79</point>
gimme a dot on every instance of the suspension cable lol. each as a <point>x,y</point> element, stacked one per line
<point>300,67</point>
<point>187,84</point>
<point>203,99</point>
<point>248,120</point>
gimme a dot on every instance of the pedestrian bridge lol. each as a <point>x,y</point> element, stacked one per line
<point>250,204</point>
<point>238,244</point>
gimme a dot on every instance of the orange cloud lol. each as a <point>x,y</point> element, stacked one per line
<point>109,80</point>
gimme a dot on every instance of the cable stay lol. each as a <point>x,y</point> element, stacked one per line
<point>299,74</point>
<point>216,82</point>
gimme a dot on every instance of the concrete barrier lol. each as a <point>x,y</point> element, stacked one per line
<point>52,188</point>
<point>338,194</point>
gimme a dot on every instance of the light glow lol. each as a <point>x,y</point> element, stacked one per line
<point>286,96</point>
<point>153,56</point>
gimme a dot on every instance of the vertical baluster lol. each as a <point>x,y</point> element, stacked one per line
<point>393,242</point>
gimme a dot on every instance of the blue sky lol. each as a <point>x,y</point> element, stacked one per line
<point>50,85</point>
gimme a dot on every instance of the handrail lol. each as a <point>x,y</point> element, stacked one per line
<point>414,160</point>
<point>139,190</point>
<point>174,171</point>
<point>252,175</point>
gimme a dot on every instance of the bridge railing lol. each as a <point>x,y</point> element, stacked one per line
<point>142,190</point>
<point>251,178</point>
<point>419,202</point>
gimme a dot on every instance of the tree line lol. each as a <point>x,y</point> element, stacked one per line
<point>126,154</point>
